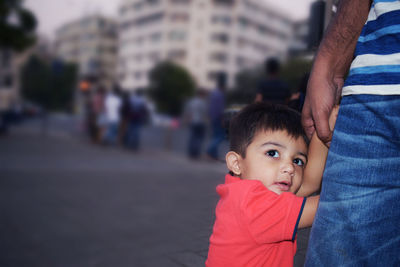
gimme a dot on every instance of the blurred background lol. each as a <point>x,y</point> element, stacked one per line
<point>114,114</point>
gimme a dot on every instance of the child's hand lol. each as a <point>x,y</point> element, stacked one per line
<point>332,121</point>
<point>333,117</point>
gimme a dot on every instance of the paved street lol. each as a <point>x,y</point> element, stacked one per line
<point>66,202</point>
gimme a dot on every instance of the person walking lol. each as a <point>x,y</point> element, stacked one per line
<point>272,89</point>
<point>216,109</point>
<point>112,105</point>
<point>357,222</point>
<point>138,114</point>
<point>195,115</point>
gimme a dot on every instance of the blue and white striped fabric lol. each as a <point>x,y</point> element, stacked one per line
<point>376,66</point>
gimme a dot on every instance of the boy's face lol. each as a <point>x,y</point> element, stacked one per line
<point>276,159</point>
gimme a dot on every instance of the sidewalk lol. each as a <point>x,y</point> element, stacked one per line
<point>67,202</point>
<point>158,138</point>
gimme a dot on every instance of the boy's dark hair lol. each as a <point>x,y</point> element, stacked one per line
<point>263,117</point>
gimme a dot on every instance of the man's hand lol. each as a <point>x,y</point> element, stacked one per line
<point>322,95</point>
<point>331,65</point>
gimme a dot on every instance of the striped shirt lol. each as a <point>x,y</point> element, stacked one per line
<point>376,66</point>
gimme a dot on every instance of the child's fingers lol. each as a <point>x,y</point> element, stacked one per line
<point>333,117</point>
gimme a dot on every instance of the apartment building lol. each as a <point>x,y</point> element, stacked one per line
<point>205,36</point>
<point>300,38</point>
<point>91,43</point>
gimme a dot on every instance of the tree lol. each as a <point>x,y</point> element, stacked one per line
<point>246,86</point>
<point>49,85</point>
<point>17,25</point>
<point>294,69</point>
<point>170,86</point>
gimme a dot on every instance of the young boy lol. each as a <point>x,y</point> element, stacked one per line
<point>258,213</point>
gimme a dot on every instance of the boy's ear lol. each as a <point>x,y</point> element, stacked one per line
<point>233,162</point>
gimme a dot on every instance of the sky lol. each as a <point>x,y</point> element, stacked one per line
<point>51,14</point>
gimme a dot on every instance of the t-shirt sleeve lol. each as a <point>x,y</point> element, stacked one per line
<point>271,217</point>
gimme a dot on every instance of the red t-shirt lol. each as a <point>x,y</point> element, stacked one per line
<point>254,226</point>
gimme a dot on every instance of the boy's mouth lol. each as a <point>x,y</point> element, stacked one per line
<point>284,185</point>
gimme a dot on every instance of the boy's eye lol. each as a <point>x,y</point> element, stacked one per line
<point>273,153</point>
<point>298,162</point>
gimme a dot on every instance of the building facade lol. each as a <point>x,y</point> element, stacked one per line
<point>91,43</point>
<point>207,37</point>
<point>300,38</point>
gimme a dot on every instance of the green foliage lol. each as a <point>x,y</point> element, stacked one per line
<point>293,70</point>
<point>17,25</point>
<point>170,86</point>
<point>246,86</point>
<point>51,86</point>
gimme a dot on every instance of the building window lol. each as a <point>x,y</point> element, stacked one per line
<point>243,23</point>
<point>150,19</point>
<point>176,54</point>
<point>179,17</point>
<point>137,6</point>
<point>184,2</point>
<point>262,29</point>
<point>101,24</point>
<point>153,2</point>
<point>219,57</point>
<point>157,17</point>
<point>177,35</point>
<point>223,2</point>
<point>222,38</point>
<point>155,37</point>
<point>221,19</point>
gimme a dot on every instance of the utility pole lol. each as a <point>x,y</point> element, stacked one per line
<point>322,12</point>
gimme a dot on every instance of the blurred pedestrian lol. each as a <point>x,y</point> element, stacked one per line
<point>112,105</point>
<point>195,115</point>
<point>216,107</point>
<point>138,116</point>
<point>96,114</point>
<point>272,89</point>
<point>124,121</point>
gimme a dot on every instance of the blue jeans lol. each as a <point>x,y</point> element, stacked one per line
<point>218,135</point>
<point>111,133</point>
<point>358,217</point>
<point>133,135</point>
<point>196,138</point>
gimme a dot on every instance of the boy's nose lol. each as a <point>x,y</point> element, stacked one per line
<point>287,167</point>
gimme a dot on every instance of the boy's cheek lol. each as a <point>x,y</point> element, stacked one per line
<point>296,184</point>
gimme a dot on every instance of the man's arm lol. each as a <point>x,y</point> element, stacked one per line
<point>331,65</point>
